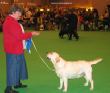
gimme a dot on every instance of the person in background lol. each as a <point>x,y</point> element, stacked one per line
<point>73,21</point>
<point>13,46</point>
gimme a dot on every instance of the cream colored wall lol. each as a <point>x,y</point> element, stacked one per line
<point>101,5</point>
<point>98,4</point>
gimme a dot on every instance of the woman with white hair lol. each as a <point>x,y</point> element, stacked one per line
<point>13,47</point>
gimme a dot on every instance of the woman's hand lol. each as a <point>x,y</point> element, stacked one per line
<point>34,33</point>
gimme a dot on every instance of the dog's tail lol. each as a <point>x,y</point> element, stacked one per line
<point>96,61</point>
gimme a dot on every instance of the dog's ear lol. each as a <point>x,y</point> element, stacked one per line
<point>57,59</point>
<point>49,52</point>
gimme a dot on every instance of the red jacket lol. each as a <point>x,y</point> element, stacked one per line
<point>13,36</point>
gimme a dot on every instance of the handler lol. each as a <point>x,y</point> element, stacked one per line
<point>13,47</point>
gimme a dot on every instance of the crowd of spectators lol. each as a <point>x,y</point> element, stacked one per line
<point>51,19</point>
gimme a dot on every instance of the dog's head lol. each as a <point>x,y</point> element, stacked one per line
<point>53,56</point>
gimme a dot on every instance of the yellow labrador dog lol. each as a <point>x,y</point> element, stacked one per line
<point>72,69</point>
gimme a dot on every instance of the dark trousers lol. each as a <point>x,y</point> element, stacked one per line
<point>73,32</point>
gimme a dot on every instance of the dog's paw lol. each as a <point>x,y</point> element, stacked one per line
<point>85,84</point>
<point>59,88</point>
<point>91,88</point>
<point>64,90</point>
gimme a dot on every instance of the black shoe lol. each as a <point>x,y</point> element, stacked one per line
<point>70,38</point>
<point>11,91</point>
<point>77,39</point>
<point>20,86</point>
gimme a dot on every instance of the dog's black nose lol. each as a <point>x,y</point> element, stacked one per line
<point>48,58</point>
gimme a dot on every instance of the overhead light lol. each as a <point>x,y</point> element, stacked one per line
<point>48,9</point>
<point>41,9</point>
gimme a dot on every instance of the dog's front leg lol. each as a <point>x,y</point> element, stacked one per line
<point>65,84</point>
<point>61,83</point>
<point>86,83</point>
<point>92,84</point>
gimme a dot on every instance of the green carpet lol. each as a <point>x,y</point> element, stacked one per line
<point>90,46</point>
